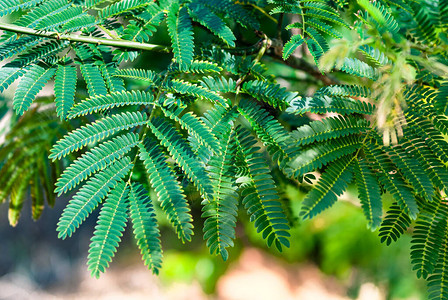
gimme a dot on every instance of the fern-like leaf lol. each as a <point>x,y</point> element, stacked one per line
<point>429,231</point>
<point>90,195</point>
<point>95,82</point>
<point>369,193</point>
<point>10,6</point>
<point>260,195</point>
<point>139,74</point>
<point>121,7</point>
<point>96,132</point>
<point>329,128</point>
<point>181,34</point>
<point>186,88</point>
<point>438,281</point>
<point>316,156</point>
<point>31,84</point>
<point>273,94</point>
<point>145,227</point>
<point>95,160</point>
<point>268,129</point>
<point>417,148</point>
<point>64,89</point>
<point>182,154</point>
<point>354,66</point>
<point>196,67</point>
<point>332,183</point>
<point>195,127</point>
<point>105,102</point>
<point>394,224</point>
<point>11,48</point>
<point>109,230</point>
<point>375,56</point>
<point>433,138</point>
<point>393,183</point>
<point>169,191</point>
<point>441,102</point>
<point>207,18</point>
<point>221,212</point>
<point>219,84</point>
<point>412,172</point>
<point>325,104</point>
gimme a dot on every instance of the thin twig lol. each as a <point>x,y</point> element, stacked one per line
<point>84,39</point>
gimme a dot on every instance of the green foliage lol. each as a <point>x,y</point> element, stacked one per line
<point>181,33</point>
<point>25,164</point>
<point>211,21</point>
<point>221,211</point>
<point>318,19</point>
<point>32,82</point>
<point>64,89</point>
<point>95,132</point>
<point>394,224</point>
<point>429,230</point>
<point>369,193</point>
<point>331,185</point>
<point>145,227</point>
<point>111,224</point>
<point>95,160</point>
<point>168,189</point>
<point>260,195</point>
<point>90,195</point>
<point>218,116</point>
<point>182,154</point>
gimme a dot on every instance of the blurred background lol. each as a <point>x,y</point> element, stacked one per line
<point>333,256</point>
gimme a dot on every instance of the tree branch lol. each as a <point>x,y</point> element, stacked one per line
<point>84,39</point>
<point>299,63</point>
<point>293,62</point>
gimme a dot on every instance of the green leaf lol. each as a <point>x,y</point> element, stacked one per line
<point>207,18</point>
<point>31,84</point>
<point>261,199</point>
<point>394,224</point>
<point>273,94</point>
<point>181,34</point>
<point>96,132</point>
<point>10,6</point>
<point>393,183</point>
<point>316,156</point>
<point>221,211</point>
<point>428,234</point>
<point>332,183</point>
<point>121,7</point>
<point>186,88</point>
<point>90,195</point>
<point>369,193</point>
<point>104,102</point>
<point>182,155</point>
<point>139,74</point>
<point>269,131</point>
<point>169,191</point>
<point>64,89</point>
<point>329,128</point>
<point>145,227</point>
<point>94,80</point>
<point>109,230</point>
<point>194,126</point>
<point>95,160</point>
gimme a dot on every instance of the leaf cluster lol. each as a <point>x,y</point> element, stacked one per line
<point>381,126</point>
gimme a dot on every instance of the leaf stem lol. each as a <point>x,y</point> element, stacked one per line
<point>84,39</point>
